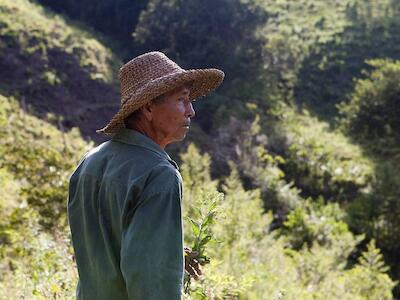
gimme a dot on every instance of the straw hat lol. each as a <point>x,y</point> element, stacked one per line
<point>152,74</point>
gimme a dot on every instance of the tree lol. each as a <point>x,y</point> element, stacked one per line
<point>373,114</point>
<point>198,33</point>
<point>116,19</point>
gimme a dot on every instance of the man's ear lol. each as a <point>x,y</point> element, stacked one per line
<point>147,111</point>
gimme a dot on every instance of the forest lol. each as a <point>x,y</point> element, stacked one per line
<point>291,169</point>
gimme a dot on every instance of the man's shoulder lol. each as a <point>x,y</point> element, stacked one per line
<point>125,163</point>
<point>89,159</point>
<point>118,154</point>
<point>165,169</point>
<point>164,176</point>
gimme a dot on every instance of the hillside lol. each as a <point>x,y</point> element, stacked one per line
<point>55,66</point>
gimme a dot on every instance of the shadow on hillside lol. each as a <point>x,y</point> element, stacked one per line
<point>56,84</point>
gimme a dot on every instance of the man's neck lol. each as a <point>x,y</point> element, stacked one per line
<point>147,130</point>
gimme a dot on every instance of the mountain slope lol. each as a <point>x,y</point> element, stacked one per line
<point>57,67</point>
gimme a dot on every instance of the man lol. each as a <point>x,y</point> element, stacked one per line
<point>124,205</point>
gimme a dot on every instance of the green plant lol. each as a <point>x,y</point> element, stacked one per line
<point>372,116</point>
<point>201,227</point>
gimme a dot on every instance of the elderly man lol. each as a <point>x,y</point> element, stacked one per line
<point>124,203</point>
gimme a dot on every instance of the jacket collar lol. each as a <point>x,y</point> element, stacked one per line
<point>133,137</point>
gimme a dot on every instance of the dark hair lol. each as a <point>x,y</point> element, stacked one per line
<point>159,99</point>
<point>133,117</point>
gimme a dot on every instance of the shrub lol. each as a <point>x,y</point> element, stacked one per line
<point>40,158</point>
<point>320,161</point>
<point>372,115</point>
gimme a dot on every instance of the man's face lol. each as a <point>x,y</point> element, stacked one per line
<point>171,117</point>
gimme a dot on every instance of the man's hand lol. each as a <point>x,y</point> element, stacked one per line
<point>192,265</point>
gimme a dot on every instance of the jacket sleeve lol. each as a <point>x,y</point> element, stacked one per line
<point>152,260</point>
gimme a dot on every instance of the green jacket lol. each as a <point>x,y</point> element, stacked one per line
<point>124,211</point>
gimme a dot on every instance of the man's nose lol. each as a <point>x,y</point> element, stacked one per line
<point>190,110</point>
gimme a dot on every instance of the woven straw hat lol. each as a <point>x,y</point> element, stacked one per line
<point>152,74</point>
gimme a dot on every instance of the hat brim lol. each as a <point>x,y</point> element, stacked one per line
<point>202,82</point>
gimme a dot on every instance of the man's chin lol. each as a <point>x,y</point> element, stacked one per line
<point>180,137</point>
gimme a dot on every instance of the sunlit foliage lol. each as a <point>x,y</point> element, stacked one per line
<point>36,160</point>
<point>322,162</point>
<point>307,260</point>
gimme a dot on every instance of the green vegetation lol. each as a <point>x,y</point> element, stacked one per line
<point>307,259</point>
<point>326,76</point>
<point>301,143</point>
<point>37,158</point>
<point>320,161</point>
<point>372,116</point>
<point>44,166</point>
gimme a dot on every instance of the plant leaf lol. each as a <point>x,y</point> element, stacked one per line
<point>195,227</point>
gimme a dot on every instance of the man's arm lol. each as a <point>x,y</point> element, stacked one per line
<point>152,242</point>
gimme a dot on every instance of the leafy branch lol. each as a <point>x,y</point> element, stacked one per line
<point>202,231</point>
